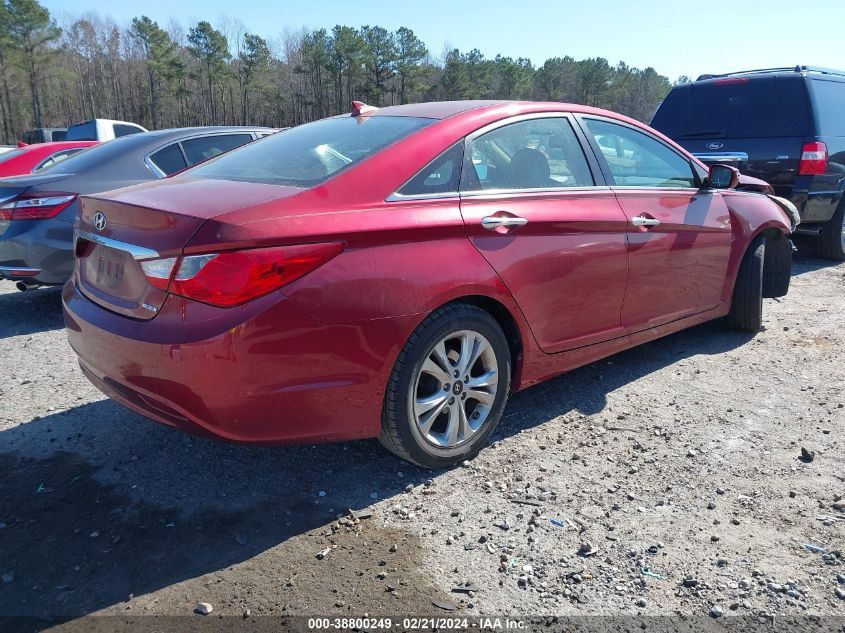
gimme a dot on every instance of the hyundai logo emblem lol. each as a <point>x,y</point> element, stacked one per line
<point>99,220</point>
<point>715,145</point>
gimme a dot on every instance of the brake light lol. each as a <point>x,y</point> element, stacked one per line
<point>232,278</point>
<point>813,159</point>
<point>731,82</point>
<point>40,206</point>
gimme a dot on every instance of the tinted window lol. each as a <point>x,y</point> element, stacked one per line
<point>200,149</point>
<point>169,160</point>
<point>83,132</point>
<point>309,154</point>
<point>125,130</point>
<point>638,160</point>
<point>108,152</point>
<point>533,154</point>
<point>57,158</point>
<point>442,175</point>
<point>33,136</point>
<point>735,108</point>
<point>829,102</point>
<point>59,135</point>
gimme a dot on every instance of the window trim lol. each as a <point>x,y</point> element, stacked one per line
<point>605,166</point>
<point>156,170</point>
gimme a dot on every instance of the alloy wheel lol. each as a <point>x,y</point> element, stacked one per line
<point>454,390</point>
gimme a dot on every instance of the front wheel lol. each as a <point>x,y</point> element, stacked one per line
<point>746,313</point>
<point>448,389</point>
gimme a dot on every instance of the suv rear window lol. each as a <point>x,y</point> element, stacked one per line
<point>736,107</point>
<point>309,154</point>
<point>82,132</point>
<point>829,101</point>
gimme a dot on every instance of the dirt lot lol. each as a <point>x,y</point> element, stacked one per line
<point>672,473</point>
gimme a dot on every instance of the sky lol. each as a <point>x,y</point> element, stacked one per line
<point>675,38</point>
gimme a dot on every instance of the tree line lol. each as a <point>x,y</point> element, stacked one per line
<point>53,75</point>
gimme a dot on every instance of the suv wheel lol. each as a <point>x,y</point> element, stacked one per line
<point>448,388</point>
<point>830,244</point>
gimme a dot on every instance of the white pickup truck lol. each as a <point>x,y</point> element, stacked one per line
<point>102,130</point>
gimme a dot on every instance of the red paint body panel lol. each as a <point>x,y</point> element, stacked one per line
<point>31,156</point>
<point>311,361</point>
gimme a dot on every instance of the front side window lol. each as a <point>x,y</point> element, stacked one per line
<point>539,153</point>
<point>636,159</point>
<point>201,149</point>
<point>310,154</point>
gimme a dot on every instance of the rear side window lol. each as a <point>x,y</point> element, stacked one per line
<point>310,154</point>
<point>169,159</point>
<point>57,158</point>
<point>829,103</point>
<point>199,149</point>
<point>442,175</point>
<point>736,107</point>
<point>125,130</point>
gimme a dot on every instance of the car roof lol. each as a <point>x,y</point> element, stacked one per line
<point>445,109</point>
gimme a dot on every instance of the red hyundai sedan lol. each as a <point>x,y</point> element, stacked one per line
<point>397,272</point>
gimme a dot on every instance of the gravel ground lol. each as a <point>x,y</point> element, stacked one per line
<point>665,480</point>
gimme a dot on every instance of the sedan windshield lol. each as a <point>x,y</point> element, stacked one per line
<point>307,155</point>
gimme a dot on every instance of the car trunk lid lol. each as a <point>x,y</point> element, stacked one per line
<point>119,231</point>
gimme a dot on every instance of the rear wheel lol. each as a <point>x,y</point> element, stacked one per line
<point>448,388</point>
<point>746,312</point>
<point>830,243</point>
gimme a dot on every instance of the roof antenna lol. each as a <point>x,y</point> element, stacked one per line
<point>359,108</point>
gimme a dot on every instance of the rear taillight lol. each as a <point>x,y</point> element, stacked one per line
<point>40,206</point>
<point>813,159</point>
<point>232,278</point>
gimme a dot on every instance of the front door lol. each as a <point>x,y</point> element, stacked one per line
<point>532,209</point>
<point>679,236</point>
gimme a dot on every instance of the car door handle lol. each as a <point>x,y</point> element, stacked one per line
<point>642,220</point>
<point>493,222</point>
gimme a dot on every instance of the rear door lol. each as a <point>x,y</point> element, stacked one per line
<point>757,124</point>
<point>679,237</point>
<point>534,209</point>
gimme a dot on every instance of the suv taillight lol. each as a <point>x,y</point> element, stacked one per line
<point>813,159</point>
<point>40,206</point>
<point>231,278</point>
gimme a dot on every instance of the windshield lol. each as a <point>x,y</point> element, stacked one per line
<point>735,108</point>
<point>307,155</point>
<point>97,155</point>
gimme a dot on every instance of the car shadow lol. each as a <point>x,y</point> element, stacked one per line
<point>803,263</point>
<point>30,312</point>
<point>98,504</point>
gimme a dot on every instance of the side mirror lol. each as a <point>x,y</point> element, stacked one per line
<point>722,177</point>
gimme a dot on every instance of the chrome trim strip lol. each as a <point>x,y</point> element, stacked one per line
<point>24,269</point>
<point>478,193</point>
<point>721,157</point>
<point>153,167</point>
<point>398,197</point>
<point>137,252</point>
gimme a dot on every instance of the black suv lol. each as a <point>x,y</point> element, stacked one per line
<point>784,125</point>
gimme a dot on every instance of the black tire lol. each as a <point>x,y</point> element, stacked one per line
<point>830,244</point>
<point>400,433</point>
<point>746,313</point>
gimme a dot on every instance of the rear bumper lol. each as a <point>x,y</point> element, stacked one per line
<point>816,207</point>
<point>42,246</point>
<point>262,373</point>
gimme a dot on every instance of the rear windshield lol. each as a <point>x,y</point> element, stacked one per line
<point>829,101</point>
<point>736,108</point>
<point>12,153</point>
<point>103,153</point>
<point>307,155</point>
<point>83,132</point>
